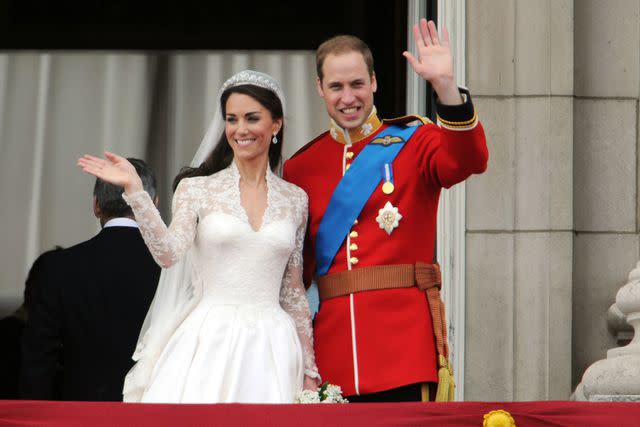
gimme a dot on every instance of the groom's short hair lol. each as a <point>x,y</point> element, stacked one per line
<point>343,44</point>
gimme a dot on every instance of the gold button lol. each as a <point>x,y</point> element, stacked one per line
<point>349,155</point>
<point>355,222</point>
<point>347,167</point>
<point>353,234</point>
<point>353,247</point>
<point>353,260</point>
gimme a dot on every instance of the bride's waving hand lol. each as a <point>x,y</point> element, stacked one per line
<point>114,169</point>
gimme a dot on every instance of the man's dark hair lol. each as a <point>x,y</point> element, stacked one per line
<point>109,196</point>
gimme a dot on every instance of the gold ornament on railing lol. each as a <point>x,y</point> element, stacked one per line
<point>498,418</point>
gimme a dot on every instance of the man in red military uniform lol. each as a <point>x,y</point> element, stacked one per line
<point>372,226</point>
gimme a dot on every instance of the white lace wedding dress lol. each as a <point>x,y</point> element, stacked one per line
<point>248,337</point>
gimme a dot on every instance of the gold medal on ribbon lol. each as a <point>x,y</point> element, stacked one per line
<point>387,178</point>
<point>387,187</point>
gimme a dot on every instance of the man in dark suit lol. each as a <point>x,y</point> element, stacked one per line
<point>89,310</point>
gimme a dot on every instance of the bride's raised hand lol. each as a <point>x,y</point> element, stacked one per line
<point>114,169</point>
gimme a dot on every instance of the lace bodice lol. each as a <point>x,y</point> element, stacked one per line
<point>238,265</point>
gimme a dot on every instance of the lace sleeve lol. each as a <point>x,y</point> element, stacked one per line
<point>167,244</point>
<point>293,298</point>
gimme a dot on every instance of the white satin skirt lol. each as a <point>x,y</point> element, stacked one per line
<point>224,353</point>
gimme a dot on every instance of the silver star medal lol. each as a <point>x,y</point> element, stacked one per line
<point>388,218</point>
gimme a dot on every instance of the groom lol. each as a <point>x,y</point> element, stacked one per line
<point>373,190</point>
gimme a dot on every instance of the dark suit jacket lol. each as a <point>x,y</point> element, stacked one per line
<point>10,334</point>
<point>87,316</point>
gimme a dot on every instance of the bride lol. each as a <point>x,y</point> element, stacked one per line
<point>230,321</point>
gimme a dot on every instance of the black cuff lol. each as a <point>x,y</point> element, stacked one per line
<point>458,117</point>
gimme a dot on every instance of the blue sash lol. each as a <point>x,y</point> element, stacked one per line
<point>353,191</point>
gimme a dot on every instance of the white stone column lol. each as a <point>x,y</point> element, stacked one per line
<point>519,213</point>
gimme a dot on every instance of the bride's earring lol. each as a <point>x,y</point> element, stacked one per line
<point>274,139</point>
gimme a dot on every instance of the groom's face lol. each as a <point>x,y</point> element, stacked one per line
<point>347,89</point>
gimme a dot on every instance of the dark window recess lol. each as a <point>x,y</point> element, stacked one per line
<point>215,25</point>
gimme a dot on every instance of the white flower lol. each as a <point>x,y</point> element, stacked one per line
<point>307,396</point>
<point>333,391</point>
<point>326,393</point>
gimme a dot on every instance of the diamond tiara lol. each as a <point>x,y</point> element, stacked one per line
<point>256,78</point>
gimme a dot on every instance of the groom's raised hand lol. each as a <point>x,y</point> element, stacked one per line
<point>434,62</point>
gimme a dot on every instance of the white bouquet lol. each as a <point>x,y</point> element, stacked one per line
<point>326,393</point>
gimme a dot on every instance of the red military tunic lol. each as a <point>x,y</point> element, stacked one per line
<point>377,340</point>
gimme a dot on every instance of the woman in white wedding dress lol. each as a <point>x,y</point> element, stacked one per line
<point>230,321</point>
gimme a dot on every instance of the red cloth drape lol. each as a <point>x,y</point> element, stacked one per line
<point>526,414</point>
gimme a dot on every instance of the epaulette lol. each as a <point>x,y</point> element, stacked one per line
<point>408,119</point>
<point>309,144</point>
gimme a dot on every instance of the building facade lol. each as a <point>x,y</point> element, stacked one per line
<point>552,226</point>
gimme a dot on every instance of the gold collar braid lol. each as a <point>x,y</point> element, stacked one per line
<point>351,136</point>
